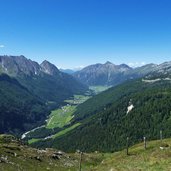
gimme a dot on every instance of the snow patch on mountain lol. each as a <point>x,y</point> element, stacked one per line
<point>130,107</point>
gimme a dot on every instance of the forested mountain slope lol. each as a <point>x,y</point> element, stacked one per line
<point>20,110</point>
<point>134,109</point>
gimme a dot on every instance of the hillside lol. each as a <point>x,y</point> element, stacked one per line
<point>19,105</point>
<point>154,158</point>
<point>135,109</point>
<point>14,155</point>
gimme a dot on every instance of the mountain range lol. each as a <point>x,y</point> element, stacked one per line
<point>67,71</point>
<point>44,80</point>
<point>111,74</point>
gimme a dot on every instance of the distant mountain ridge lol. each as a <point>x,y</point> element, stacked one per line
<point>68,71</point>
<point>103,74</point>
<point>111,74</point>
<point>15,65</point>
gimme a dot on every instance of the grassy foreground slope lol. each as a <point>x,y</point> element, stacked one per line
<point>154,158</point>
<point>16,156</point>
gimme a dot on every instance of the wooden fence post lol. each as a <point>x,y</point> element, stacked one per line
<point>80,161</point>
<point>127,146</point>
<point>145,144</point>
<point>161,136</point>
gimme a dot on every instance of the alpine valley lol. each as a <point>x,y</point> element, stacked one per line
<point>29,91</point>
<point>94,110</point>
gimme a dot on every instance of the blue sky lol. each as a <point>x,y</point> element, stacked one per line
<point>73,33</point>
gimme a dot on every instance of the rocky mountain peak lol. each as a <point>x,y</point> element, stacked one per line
<point>125,66</point>
<point>49,68</point>
<point>14,65</point>
<point>108,63</point>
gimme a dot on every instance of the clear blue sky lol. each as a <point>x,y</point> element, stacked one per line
<point>72,33</point>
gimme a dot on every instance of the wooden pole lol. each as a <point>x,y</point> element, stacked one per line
<point>145,144</point>
<point>80,161</point>
<point>127,146</point>
<point>161,136</point>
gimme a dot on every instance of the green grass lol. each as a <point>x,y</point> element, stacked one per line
<point>33,140</point>
<point>78,99</point>
<point>23,158</point>
<point>99,89</point>
<point>81,97</point>
<point>60,133</point>
<point>60,117</point>
<point>151,159</point>
<point>66,130</point>
<point>26,159</point>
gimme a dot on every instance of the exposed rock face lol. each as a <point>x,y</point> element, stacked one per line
<point>49,68</point>
<point>14,65</point>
